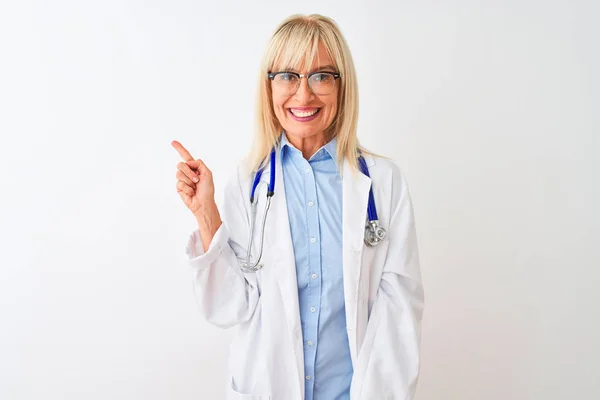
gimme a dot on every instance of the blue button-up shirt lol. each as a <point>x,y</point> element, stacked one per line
<point>313,190</point>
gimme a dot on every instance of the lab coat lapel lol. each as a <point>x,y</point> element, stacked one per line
<point>280,236</point>
<point>279,241</point>
<point>355,195</point>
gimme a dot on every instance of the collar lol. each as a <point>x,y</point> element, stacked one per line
<point>328,149</point>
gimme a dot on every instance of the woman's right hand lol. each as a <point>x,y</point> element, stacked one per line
<point>194,181</point>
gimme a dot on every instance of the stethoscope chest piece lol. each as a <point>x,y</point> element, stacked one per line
<point>374,234</point>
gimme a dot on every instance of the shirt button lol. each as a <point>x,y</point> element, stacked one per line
<point>310,203</point>
<point>312,309</point>
<point>314,276</point>
<point>310,342</point>
<point>307,170</point>
<point>308,377</point>
<point>312,240</point>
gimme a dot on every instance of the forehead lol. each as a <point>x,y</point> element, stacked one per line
<point>307,58</point>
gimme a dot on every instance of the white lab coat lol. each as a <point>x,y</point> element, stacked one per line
<point>382,289</point>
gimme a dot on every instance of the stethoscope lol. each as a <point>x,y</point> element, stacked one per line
<point>374,234</point>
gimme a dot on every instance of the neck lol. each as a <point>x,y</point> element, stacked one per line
<point>307,145</point>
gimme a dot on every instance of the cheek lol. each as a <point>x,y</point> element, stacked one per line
<point>332,107</point>
<point>279,101</point>
<point>277,108</point>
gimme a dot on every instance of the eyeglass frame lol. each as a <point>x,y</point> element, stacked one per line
<point>272,75</point>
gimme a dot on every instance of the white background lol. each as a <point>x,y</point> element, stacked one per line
<point>490,108</point>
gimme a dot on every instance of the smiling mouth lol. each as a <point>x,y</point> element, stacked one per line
<point>304,113</point>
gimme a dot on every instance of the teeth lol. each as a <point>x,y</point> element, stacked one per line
<point>304,114</point>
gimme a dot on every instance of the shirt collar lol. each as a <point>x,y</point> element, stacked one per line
<point>328,149</point>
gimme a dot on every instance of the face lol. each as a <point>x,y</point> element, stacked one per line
<point>305,114</point>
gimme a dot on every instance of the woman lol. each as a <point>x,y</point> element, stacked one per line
<point>320,315</point>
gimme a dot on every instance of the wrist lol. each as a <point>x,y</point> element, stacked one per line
<point>206,209</point>
<point>208,218</point>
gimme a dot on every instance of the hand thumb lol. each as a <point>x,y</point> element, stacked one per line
<point>198,165</point>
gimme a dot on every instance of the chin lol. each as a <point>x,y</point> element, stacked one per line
<point>303,132</point>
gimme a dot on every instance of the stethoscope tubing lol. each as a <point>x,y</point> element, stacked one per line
<point>371,209</point>
<point>271,189</point>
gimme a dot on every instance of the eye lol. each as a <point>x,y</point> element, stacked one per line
<point>286,77</point>
<point>322,77</point>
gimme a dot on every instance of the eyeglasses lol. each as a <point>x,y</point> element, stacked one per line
<point>287,83</point>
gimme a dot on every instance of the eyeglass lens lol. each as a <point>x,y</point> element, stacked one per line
<point>321,83</point>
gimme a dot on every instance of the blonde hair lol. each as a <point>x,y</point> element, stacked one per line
<point>296,41</point>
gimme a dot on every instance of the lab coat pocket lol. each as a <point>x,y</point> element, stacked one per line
<point>363,386</point>
<point>235,395</point>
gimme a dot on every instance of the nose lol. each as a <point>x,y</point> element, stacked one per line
<point>304,94</point>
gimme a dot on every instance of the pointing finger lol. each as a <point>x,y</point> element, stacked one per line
<point>182,151</point>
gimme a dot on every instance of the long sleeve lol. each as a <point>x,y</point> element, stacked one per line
<point>225,295</point>
<point>392,339</point>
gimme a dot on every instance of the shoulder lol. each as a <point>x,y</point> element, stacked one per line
<point>384,169</point>
<point>237,180</point>
<point>388,178</point>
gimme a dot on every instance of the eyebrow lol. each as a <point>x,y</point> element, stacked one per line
<point>321,68</point>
